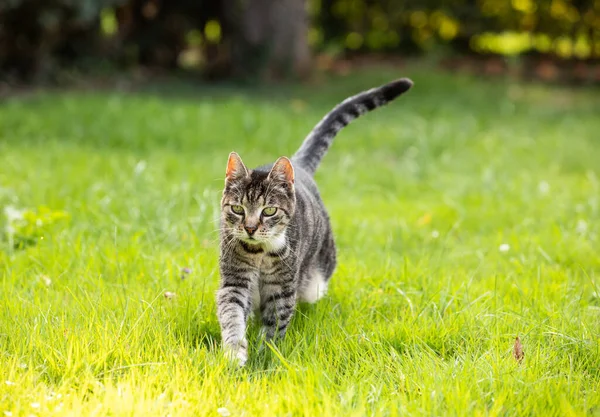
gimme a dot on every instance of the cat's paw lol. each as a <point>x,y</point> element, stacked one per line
<point>237,353</point>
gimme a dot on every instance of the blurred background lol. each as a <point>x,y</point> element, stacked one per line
<point>54,41</point>
<point>466,213</point>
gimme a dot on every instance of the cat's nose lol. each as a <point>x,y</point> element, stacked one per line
<point>250,229</point>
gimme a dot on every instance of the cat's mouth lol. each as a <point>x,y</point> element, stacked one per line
<point>250,240</point>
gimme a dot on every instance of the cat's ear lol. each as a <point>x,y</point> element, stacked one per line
<point>235,168</point>
<point>282,170</point>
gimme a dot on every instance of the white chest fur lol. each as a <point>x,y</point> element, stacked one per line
<point>265,264</point>
<point>275,244</point>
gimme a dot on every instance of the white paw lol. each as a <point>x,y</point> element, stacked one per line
<point>237,353</point>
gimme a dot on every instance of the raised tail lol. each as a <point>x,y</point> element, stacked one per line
<point>320,138</point>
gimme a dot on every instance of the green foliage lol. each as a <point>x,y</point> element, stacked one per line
<point>42,37</point>
<point>39,37</point>
<point>24,228</point>
<point>489,26</point>
<point>466,213</point>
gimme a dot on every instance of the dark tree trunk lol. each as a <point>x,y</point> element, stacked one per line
<point>268,38</point>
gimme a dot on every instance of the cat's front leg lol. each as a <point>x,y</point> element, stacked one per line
<point>234,303</point>
<point>277,302</point>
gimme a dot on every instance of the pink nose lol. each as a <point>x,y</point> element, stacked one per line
<point>250,229</point>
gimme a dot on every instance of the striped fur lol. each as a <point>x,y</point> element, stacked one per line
<point>316,144</point>
<point>277,247</point>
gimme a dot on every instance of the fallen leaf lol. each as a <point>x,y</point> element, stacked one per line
<point>518,350</point>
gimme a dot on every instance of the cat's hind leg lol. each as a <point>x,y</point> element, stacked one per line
<point>313,287</point>
<point>314,282</point>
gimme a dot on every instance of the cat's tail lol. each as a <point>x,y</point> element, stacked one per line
<point>320,138</point>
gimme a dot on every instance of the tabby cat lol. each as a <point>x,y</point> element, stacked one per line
<point>277,246</point>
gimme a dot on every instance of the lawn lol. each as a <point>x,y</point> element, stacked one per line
<point>466,213</point>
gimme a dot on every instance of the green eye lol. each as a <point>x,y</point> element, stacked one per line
<point>237,209</point>
<point>269,211</point>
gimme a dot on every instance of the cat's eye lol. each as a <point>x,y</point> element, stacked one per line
<point>237,209</point>
<point>269,211</point>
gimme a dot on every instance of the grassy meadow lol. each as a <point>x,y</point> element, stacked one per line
<point>466,213</point>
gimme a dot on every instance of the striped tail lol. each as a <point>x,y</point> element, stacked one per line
<point>320,138</point>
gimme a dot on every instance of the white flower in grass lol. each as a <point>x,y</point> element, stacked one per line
<point>8,413</point>
<point>505,247</point>
<point>223,412</point>
<point>9,383</point>
<point>169,295</point>
<point>12,214</point>
<point>46,280</point>
<point>139,167</point>
<point>35,405</point>
<point>435,234</point>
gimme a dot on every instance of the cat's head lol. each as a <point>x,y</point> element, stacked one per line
<point>258,205</point>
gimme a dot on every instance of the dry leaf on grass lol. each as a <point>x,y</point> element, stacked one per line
<point>518,350</point>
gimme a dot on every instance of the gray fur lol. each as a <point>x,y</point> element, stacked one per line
<point>320,138</point>
<point>269,263</point>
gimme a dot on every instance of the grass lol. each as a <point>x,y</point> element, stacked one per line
<point>423,309</point>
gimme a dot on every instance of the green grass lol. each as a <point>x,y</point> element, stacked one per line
<point>423,308</point>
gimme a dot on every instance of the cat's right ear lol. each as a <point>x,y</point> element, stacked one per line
<point>235,168</point>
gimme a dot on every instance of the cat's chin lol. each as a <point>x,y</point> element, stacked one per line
<point>252,241</point>
<point>275,243</point>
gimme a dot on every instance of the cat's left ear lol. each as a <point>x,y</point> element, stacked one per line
<point>235,168</point>
<point>282,170</point>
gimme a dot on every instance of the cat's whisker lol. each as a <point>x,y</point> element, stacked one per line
<point>228,246</point>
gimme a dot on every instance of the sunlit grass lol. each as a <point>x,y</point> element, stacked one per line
<point>466,213</point>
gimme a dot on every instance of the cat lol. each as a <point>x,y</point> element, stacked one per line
<point>277,246</point>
